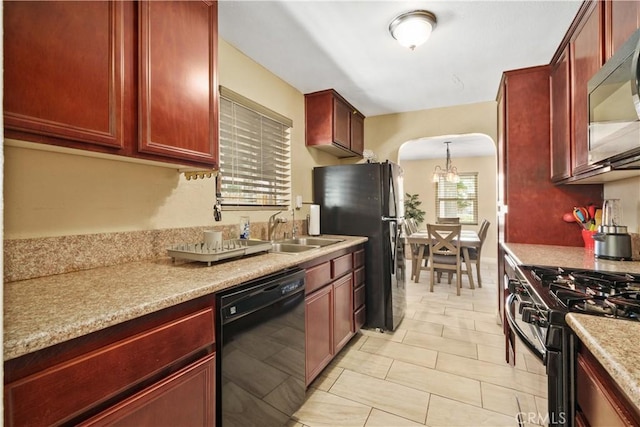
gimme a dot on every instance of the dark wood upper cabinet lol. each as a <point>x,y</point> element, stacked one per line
<point>65,76</point>
<point>598,30</point>
<point>177,81</point>
<point>622,18</point>
<point>560,117</point>
<point>333,125</point>
<point>586,60</point>
<point>136,79</point>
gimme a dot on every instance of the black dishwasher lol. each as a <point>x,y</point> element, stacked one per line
<point>261,350</point>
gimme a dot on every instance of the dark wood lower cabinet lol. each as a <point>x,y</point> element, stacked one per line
<point>157,367</point>
<point>599,400</point>
<point>343,328</point>
<point>334,310</point>
<point>318,332</point>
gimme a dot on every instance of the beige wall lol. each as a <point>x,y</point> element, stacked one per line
<point>417,180</point>
<point>628,191</point>
<point>385,134</point>
<point>55,194</point>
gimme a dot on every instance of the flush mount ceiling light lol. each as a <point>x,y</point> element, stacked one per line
<point>450,173</point>
<point>413,28</point>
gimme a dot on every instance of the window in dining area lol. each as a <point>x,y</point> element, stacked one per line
<point>458,199</point>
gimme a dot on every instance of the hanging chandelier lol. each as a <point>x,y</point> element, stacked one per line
<point>450,173</point>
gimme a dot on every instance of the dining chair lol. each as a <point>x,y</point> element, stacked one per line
<point>411,227</point>
<point>444,253</point>
<point>448,220</point>
<point>475,253</point>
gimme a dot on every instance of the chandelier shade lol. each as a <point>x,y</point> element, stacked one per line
<point>449,173</point>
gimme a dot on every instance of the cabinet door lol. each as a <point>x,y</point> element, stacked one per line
<point>623,20</point>
<point>560,118</point>
<point>357,132</point>
<point>586,54</point>
<point>64,77</point>
<point>341,123</point>
<point>343,328</point>
<point>194,387</point>
<point>178,82</point>
<point>318,331</point>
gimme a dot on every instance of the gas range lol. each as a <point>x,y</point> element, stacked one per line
<point>535,310</point>
<point>615,295</point>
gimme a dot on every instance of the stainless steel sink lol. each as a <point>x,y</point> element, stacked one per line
<point>291,248</point>
<point>313,241</point>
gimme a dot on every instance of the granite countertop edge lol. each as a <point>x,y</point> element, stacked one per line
<point>45,311</point>
<point>610,341</point>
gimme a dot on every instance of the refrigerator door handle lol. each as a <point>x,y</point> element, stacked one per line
<point>391,218</point>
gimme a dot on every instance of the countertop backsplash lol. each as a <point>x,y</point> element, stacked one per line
<point>38,257</point>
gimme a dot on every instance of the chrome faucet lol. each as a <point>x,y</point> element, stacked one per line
<point>294,229</point>
<point>273,225</point>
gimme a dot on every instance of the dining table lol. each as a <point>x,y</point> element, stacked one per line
<point>468,239</point>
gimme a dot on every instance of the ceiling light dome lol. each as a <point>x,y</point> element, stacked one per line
<point>413,28</point>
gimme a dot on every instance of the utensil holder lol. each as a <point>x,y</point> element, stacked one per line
<point>587,236</point>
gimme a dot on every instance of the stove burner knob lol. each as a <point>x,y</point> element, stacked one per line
<point>514,285</point>
<point>530,315</point>
<point>523,305</point>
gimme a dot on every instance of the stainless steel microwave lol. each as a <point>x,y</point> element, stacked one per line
<point>614,106</point>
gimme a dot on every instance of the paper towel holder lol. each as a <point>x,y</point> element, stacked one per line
<point>314,229</point>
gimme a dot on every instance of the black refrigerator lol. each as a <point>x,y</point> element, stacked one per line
<point>366,199</point>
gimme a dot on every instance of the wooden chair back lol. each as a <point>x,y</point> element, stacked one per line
<point>443,239</point>
<point>448,220</point>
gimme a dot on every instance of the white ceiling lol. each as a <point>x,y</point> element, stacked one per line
<point>346,45</point>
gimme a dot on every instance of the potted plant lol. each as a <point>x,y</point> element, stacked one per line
<point>411,209</point>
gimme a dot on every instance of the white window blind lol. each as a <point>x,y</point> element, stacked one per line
<point>255,154</point>
<point>458,199</point>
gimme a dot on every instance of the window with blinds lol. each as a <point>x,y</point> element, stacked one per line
<point>255,154</point>
<point>458,199</point>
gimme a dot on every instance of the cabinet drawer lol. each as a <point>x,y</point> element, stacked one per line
<point>193,387</point>
<point>359,317</point>
<point>358,296</point>
<point>90,379</point>
<point>316,277</point>
<point>599,406</point>
<point>341,265</point>
<point>358,276</point>
<point>358,258</point>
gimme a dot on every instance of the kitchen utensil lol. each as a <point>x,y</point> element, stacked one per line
<point>581,214</point>
<point>568,217</point>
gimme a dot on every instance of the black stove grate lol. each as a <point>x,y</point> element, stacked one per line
<point>590,292</point>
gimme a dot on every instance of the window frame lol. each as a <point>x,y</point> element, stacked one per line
<point>463,176</point>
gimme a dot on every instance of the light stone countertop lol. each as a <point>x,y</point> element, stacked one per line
<point>566,256</point>
<point>614,343</point>
<point>45,311</point>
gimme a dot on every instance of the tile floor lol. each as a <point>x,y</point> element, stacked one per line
<point>442,367</point>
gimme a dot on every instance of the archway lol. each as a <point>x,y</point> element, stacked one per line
<point>470,153</point>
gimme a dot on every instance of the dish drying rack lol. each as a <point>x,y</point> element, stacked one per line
<point>203,252</point>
